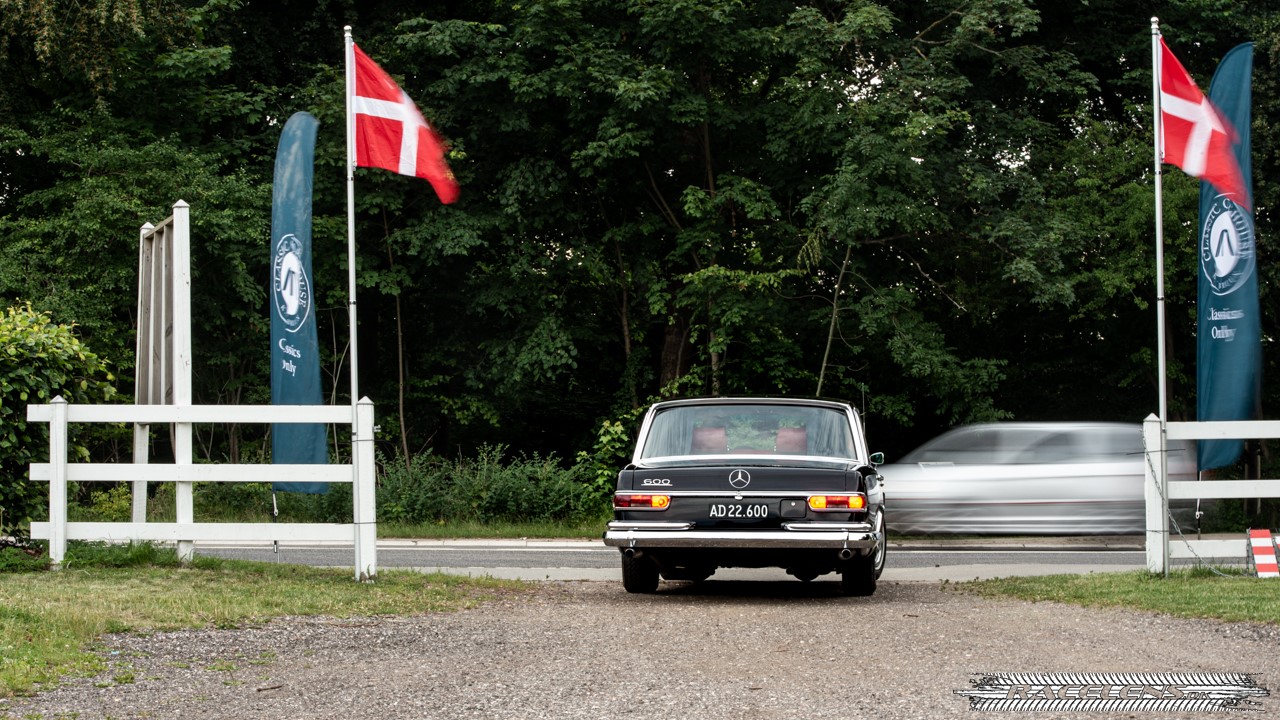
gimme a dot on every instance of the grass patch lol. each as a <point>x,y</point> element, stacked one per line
<point>49,620</point>
<point>1199,592</point>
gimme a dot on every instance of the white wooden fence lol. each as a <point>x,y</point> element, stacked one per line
<point>362,531</point>
<point>1161,547</point>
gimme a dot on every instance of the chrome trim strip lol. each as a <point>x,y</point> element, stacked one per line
<point>648,525</point>
<point>819,527</point>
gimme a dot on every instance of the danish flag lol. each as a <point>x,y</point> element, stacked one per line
<point>1197,137</point>
<point>390,132</point>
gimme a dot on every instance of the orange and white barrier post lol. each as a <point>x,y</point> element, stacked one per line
<point>1262,548</point>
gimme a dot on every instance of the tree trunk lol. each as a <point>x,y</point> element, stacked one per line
<point>400,362</point>
<point>675,344</point>
<point>624,313</point>
<point>400,368</point>
<point>712,339</point>
<point>835,313</point>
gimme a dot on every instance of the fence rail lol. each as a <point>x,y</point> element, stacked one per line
<point>361,532</point>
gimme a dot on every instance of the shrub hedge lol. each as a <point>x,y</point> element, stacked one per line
<point>39,360</point>
<point>486,488</point>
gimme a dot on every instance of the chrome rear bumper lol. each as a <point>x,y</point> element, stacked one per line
<point>836,536</point>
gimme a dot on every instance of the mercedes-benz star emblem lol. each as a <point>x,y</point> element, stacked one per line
<point>739,478</point>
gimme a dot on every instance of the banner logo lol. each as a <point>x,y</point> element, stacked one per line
<point>291,286</point>
<point>1113,692</point>
<point>1226,247</point>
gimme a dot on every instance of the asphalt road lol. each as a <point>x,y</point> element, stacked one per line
<point>918,560</point>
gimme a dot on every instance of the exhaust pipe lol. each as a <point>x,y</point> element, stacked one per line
<point>629,552</point>
<point>846,554</point>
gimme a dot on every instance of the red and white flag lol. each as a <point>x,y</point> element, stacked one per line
<point>1197,136</point>
<point>390,132</point>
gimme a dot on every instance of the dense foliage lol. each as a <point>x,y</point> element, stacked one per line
<point>489,488</point>
<point>39,361</point>
<point>941,211</point>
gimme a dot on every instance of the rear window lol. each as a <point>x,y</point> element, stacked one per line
<point>749,430</point>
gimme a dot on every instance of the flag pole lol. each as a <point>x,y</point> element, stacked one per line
<point>1159,134</point>
<point>351,254</point>
<point>1162,473</point>
<point>351,213</point>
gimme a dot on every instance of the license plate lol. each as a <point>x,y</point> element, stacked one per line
<point>739,511</point>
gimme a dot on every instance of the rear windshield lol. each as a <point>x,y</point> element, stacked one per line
<point>749,430</point>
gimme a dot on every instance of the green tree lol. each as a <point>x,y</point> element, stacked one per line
<point>705,164</point>
<point>941,211</point>
<point>39,360</point>
<point>111,140</point>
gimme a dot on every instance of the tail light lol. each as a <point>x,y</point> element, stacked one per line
<point>637,501</point>
<point>838,503</point>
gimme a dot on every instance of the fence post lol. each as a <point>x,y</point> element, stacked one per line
<point>58,482</point>
<point>141,455</point>
<point>1155,492</point>
<point>182,451</point>
<point>142,358</point>
<point>363,499</point>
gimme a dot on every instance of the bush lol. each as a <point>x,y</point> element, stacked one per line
<point>38,362</point>
<point>252,502</point>
<point>612,450</point>
<point>116,555</point>
<point>113,504</point>
<point>487,488</point>
<point>22,556</point>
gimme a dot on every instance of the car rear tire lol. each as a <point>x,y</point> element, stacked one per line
<point>860,573</point>
<point>639,574</point>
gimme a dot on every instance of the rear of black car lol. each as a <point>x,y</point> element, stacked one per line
<point>786,489</point>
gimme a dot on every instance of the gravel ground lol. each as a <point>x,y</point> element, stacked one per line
<point>750,650</point>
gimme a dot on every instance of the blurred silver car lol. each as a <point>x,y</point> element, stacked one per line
<point>1028,478</point>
